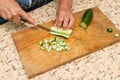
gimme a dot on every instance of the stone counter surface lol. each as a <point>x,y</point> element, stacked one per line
<point>100,65</point>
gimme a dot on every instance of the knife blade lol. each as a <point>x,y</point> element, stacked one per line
<point>43,27</point>
<point>38,25</point>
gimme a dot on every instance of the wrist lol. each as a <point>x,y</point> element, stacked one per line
<point>65,4</point>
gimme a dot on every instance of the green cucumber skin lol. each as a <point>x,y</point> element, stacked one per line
<point>87,17</point>
<point>110,30</point>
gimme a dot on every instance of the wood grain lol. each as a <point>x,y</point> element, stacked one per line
<point>82,42</point>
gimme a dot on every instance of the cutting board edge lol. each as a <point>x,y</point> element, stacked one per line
<point>69,61</point>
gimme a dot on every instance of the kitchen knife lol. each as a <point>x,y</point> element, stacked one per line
<point>38,25</point>
<point>44,27</point>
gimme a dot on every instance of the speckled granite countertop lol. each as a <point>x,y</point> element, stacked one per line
<point>101,65</point>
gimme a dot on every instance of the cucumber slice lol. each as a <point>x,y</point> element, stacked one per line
<point>41,43</point>
<point>87,18</point>
<point>117,35</point>
<point>60,32</point>
<point>109,30</point>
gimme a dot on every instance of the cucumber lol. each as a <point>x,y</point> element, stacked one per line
<point>87,18</point>
<point>60,32</point>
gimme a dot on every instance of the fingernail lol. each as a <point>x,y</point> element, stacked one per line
<point>35,24</point>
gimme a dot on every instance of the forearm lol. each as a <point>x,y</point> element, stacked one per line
<point>65,4</point>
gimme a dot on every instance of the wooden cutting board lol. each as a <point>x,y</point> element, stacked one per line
<point>82,42</point>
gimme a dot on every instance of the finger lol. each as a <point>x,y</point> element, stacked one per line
<point>56,21</point>
<point>8,14</point>
<point>3,16</point>
<point>27,17</point>
<point>71,23</point>
<point>4,13</point>
<point>14,18</point>
<point>60,22</point>
<point>66,22</point>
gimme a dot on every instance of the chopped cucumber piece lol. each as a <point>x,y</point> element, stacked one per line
<point>41,43</point>
<point>42,48</point>
<point>54,43</point>
<point>117,35</point>
<point>60,32</point>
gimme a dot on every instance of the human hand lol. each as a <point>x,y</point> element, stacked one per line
<point>10,10</point>
<point>64,17</point>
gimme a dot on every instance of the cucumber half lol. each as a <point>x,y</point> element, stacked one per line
<point>60,32</point>
<point>87,18</point>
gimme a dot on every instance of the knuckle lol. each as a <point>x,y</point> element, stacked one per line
<point>9,16</point>
<point>14,13</point>
<point>67,19</point>
<point>72,19</point>
<point>19,9</point>
<point>61,19</point>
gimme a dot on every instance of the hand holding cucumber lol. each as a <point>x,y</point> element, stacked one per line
<point>64,17</point>
<point>86,20</point>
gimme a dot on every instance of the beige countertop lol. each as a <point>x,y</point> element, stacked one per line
<point>100,65</point>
